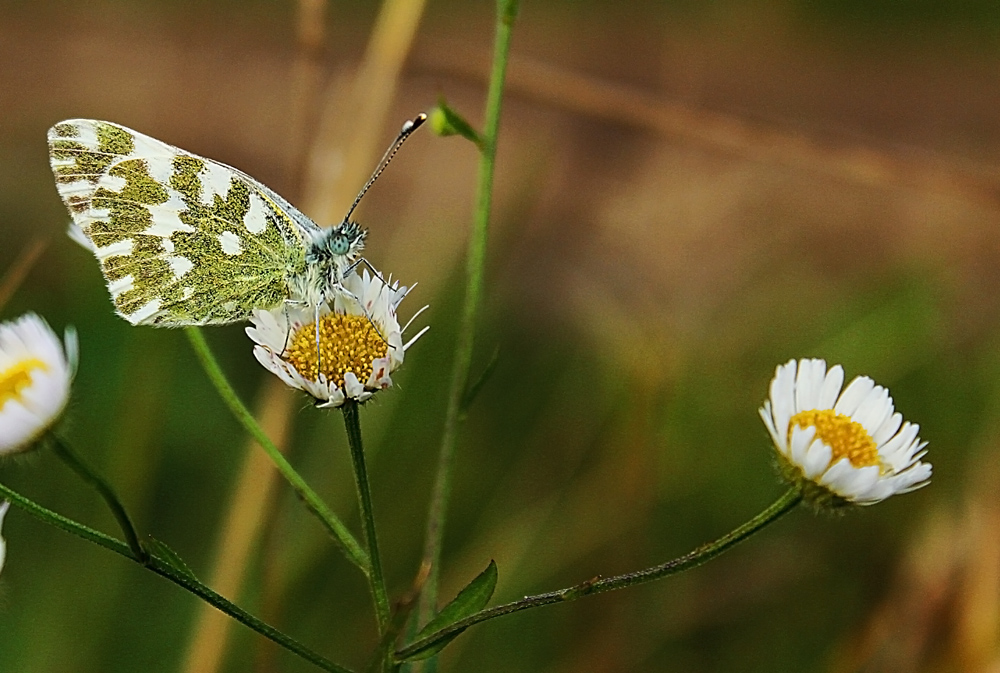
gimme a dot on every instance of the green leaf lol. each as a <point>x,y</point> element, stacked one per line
<point>169,556</point>
<point>469,600</point>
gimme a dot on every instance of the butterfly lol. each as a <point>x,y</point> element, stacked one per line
<point>185,240</point>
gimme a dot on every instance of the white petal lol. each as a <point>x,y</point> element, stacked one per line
<point>862,480</point>
<point>352,386</point>
<point>838,477</point>
<point>45,399</point>
<point>783,396</point>
<point>887,429</point>
<point>916,477</point>
<point>336,399</point>
<point>765,414</point>
<point>801,439</point>
<point>18,425</point>
<point>880,490</point>
<point>873,410</point>
<point>817,459</point>
<point>856,391</point>
<point>379,379</point>
<point>831,388</point>
<point>899,449</point>
<point>808,384</point>
<point>908,456</point>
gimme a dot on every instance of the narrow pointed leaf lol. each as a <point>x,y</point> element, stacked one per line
<point>169,556</point>
<point>469,600</point>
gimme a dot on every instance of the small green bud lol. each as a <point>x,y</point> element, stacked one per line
<point>444,121</point>
<point>438,120</point>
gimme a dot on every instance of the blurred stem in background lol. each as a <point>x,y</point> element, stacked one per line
<point>475,263</point>
<point>352,126</point>
<point>786,503</point>
<point>18,271</point>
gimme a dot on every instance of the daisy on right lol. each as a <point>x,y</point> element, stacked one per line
<point>841,448</point>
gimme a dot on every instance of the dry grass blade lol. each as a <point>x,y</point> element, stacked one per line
<point>250,501</point>
<point>856,163</point>
<point>19,269</point>
<point>352,130</point>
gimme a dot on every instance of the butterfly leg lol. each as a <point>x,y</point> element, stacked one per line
<point>319,352</point>
<point>344,292</point>
<point>375,272</point>
<point>288,321</point>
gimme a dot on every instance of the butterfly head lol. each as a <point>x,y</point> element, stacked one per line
<point>346,240</point>
<point>329,259</point>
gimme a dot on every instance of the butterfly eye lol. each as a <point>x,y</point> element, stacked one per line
<point>339,245</point>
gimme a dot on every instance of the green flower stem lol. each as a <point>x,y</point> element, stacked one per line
<point>341,536</point>
<point>164,569</point>
<point>706,552</point>
<point>475,263</point>
<point>375,578</point>
<point>68,456</point>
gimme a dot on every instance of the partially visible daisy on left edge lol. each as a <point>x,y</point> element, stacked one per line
<point>359,345</point>
<point>36,370</point>
<point>841,448</point>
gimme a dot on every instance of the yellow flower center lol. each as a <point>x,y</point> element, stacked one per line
<point>17,378</point>
<point>847,438</point>
<point>347,343</point>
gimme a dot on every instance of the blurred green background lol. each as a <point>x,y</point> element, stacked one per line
<point>688,194</point>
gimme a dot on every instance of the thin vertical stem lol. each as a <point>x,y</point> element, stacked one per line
<point>475,263</point>
<point>375,578</point>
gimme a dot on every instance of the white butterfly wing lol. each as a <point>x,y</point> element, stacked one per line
<point>182,240</point>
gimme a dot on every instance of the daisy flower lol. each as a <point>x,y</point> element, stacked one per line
<point>36,371</point>
<point>841,447</point>
<point>360,345</point>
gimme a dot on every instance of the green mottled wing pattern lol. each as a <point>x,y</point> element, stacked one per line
<point>182,240</point>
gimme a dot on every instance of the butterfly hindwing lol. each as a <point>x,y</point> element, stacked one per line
<point>182,240</point>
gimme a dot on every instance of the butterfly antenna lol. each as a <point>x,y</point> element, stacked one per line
<point>404,133</point>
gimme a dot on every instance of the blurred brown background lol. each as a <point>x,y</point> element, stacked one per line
<point>688,194</point>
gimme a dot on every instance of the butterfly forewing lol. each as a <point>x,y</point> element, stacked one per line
<point>182,240</point>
